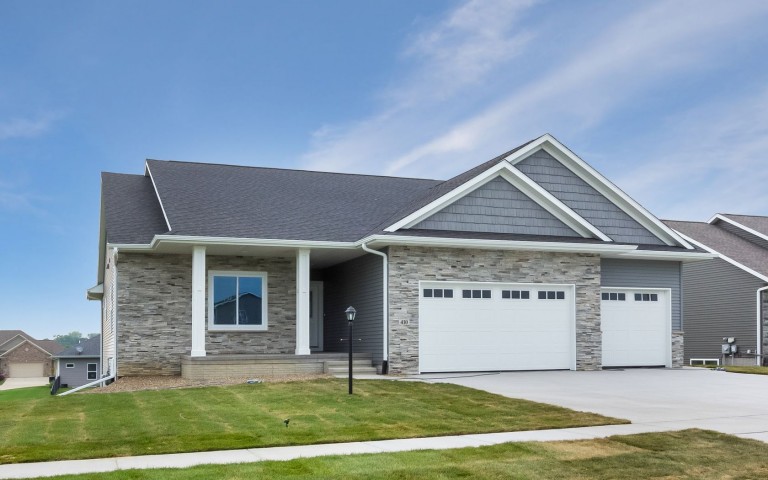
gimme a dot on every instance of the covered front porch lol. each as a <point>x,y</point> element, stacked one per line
<point>263,310</point>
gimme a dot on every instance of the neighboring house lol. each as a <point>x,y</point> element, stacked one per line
<point>80,364</point>
<point>532,260</point>
<point>726,297</point>
<point>23,356</point>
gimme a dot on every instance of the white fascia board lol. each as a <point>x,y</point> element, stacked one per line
<point>597,181</point>
<point>447,199</point>
<point>738,225</point>
<point>726,258</point>
<point>157,194</point>
<point>550,203</point>
<point>499,244</point>
<point>662,255</point>
<point>256,242</point>
<point>95,293</point>
<point>13,337</point>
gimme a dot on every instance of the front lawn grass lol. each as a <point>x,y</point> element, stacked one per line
<point>244,416</point>
<point>690,454</point>
<point>754,370</point>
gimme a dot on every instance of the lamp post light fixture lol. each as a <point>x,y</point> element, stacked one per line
<point>350,312</point>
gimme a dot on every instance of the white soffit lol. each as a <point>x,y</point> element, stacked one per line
<point>597,181</point>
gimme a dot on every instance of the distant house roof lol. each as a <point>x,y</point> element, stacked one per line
<point>735,247</point>
<point>90,348</point>
<point>10,339</point>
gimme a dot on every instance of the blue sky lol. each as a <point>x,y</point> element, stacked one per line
<point>668,99</point>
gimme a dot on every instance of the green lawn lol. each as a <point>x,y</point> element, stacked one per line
<point>38,427</point>
<point>690,454</point>
<point>754,370</point>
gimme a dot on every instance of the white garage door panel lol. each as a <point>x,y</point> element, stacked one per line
<point>636,333</point>
<point>476,334</point>
<point>24,370</point>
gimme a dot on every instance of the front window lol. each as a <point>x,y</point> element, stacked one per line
<point>91,371</point>
<point>237,300</point>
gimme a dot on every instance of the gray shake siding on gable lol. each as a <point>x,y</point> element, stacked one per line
<point>497,207</point>
<point>542,168</point>
<point>720,301</point>
<point>409,265</point>
<point>155,319</point>
<point>357,283</point>
<point>646,274</point>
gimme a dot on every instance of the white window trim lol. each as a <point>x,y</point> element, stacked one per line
<point>264,301</point>
<point>95,371</point>
<point>69,365</point>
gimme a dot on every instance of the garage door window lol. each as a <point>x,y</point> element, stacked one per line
<point>438,293</point>
<point>476,294</point>
<point>620,297</point>
<point>646,297</point>
<point>516,294</point>
<point>552,295</point>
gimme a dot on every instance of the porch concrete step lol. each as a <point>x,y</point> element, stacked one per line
<point>344,372</point>
<point>340,368</point>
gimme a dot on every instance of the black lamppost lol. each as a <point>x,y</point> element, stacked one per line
<point>350,319</point>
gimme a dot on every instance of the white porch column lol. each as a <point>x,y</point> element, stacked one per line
<point>198,301</point>
<point>302,302</point>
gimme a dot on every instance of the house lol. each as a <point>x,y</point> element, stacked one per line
<point>23,356</point>
<point>726,297</point>
<point>531,260</point>
<point>79,364</point>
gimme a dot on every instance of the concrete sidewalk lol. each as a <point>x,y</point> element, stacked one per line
<point>185,460</point>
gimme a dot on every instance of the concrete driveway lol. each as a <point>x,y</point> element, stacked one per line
<point>12,383</point>
<point>663,399</point>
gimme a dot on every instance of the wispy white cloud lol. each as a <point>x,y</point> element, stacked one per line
<point>711,160</point>
<point>418,134</point>
<point>27,128</point>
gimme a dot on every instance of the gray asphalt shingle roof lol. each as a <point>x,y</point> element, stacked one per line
<point>132,213</point>
<point>759,224</point>
<point>91,348</point>
<point>204,199</point>
<point>742,251</point>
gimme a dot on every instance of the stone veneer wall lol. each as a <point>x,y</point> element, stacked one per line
<point>409,265</point>
<point>678,351</point>
<point>155,311</point>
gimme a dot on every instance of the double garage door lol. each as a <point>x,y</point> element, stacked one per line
<point>491,326</point>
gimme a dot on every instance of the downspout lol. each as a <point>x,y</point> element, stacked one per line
<point>760,325</point>
<point>385,302</point>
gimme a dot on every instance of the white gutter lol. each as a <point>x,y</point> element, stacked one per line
<point>760,324</point>
<point>385,299</point>
<point>87,385</point>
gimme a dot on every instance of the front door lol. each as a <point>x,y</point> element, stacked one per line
<point>316,316</point>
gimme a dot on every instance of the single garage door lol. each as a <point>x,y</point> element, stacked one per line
<point>636,325</point>
<point>20,370</point>
<point>465,327</point>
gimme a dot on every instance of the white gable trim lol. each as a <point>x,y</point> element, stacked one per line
<point>597,181</point>
<point>12,338</point>
<point>726,258</point>
<point>737,225</point>
<point>157,194</point>
<point>520,181</point>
